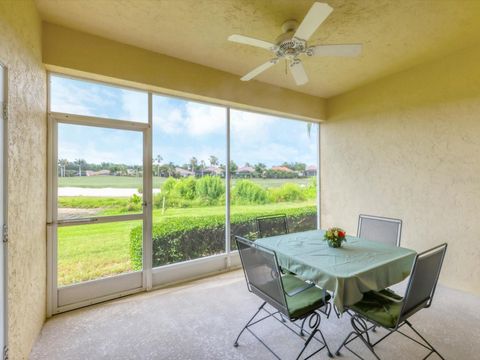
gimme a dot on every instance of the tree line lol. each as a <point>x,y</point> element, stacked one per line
<point>79,167</point>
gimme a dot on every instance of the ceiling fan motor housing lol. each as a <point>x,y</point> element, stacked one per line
<point>286,44</point>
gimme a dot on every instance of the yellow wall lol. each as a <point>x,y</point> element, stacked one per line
<point>70,49</point>
<point>20,39</point>
<point>408,146</point>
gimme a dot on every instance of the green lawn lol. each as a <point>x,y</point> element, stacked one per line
<point>137,182</point>
<point>87,252</point>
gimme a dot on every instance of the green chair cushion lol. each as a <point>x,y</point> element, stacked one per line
<point>378,309</point>
<point>305,301</point>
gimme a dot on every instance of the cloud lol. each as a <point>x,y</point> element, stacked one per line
<point>188,117</point>
<point>80,97</point>
<point>135,105</point>
<point>97,145</point>
<point>271,140</point>
<point>204,119</point>
<point>93,99</point>
<point>248,127</point>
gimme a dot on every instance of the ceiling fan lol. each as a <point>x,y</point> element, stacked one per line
<point>293,43</point>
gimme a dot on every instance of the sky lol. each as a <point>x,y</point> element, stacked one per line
<point>181,129</point>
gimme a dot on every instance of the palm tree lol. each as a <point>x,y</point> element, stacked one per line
<point>193,163</point>
<point>80,163</point>
<point>260,169</point>
<point>213,160</point>
<point>158,161</point>
<point>63,166</point>
<point>202,165</point>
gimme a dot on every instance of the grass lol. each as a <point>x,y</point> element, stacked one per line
<point>91,202</point>
<point>131,182</point>
<point>87,252</point>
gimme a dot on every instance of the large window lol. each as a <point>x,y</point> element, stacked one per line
<point>138,186</point>
<point>189,151</point>
<point>273,167</point>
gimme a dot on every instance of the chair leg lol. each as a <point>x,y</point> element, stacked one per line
<point>314,324</point>
<point>360,328</point>
<point>328,310</point>
<point>432,349</point>
<point>248,323</point>
<point>336,311</point>
<point>302,333</point>
<point>344,343</point>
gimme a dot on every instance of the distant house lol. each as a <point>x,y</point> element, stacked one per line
<point>97,173</point>
<point>282,168</point>
<point>184,173</point>
<point>311,170</point>
<point>245,171</point>
<point>213,170</point>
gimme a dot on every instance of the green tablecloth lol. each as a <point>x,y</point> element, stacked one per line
<point>357,267</point>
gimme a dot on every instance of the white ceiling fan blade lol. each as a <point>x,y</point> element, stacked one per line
<point>251,41</point>
<point>259,70</point>
<point>298,73</point>
<point>337,50</point>
<point>314,18</point>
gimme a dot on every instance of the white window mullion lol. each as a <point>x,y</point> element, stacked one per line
<point>319,182</point>
<point>148,199</point>
<point>228,235</point>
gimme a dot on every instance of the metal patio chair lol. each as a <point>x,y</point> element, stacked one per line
<point>380,229</point>
<point>385,309</point>
<point>272,225</point>
<point>286,294</point>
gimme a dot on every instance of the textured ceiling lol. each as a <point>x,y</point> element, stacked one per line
<point>396,34</point>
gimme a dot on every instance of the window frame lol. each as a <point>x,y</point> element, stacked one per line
<point>152,278</point>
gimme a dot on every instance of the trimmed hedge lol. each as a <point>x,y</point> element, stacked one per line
<point>185,238</point>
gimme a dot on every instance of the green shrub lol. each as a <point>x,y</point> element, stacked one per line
<point>186,188</point>
<point>311,190</point>
<point>168,184</point>
<point>287,192</point>
<point>177,192</point>
<point>247,192</point>
<point>134,203</point>
<point>136,245</point>
<point>210,189</point>
<point>183,238</point>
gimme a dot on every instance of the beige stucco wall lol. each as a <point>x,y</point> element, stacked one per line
<point>72,51</point>
<point>408,146</point>
<point>20,51</point>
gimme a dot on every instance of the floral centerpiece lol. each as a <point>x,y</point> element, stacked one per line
<point>334,237</point>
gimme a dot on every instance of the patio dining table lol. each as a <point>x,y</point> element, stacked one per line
<point>348,272</point>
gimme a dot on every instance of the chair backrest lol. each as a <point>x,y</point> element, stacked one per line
<point>272,225</point>
<point>262,273</point>
<point>380,229</point>
<point>423,281</point>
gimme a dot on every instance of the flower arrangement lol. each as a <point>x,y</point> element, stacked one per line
<point>334,237</point>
